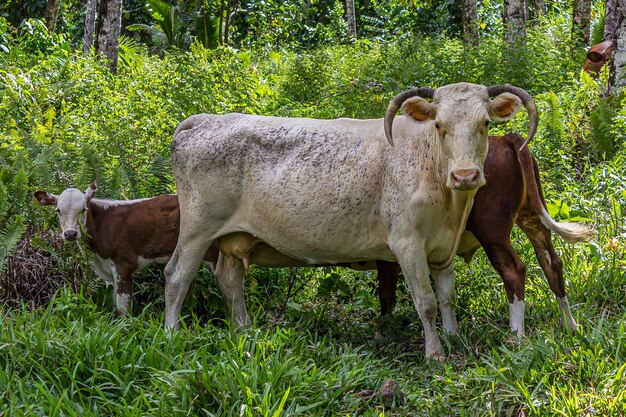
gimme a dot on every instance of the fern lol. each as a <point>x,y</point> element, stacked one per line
<point>160,175</point>
<point>88,170</point>
<point>4,200</point>
<point>601,126</point>
<point>10,236</point>
<point>554,115</point>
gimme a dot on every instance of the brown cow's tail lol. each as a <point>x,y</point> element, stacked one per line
<point>571,232</point>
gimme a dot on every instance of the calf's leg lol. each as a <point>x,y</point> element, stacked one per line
<point>124,289</point>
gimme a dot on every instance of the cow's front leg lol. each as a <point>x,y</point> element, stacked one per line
<point>444,284</point>
<point>180,271</point>
<point>411,256</point>
<point>229,275</point>
<point>124,291</point>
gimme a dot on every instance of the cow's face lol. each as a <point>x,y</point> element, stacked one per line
<point>71,206</point>
<point>460,115</point>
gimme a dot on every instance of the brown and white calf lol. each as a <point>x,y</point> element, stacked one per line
<point>124,235</point>
<point>511,196</point>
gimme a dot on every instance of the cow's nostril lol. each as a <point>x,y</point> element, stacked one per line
<point>465,179</point>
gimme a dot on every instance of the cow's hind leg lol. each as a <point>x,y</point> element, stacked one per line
<point>388,273</point>
<point>550,263</point>
<point>180,270</point>
<point>513,273</point>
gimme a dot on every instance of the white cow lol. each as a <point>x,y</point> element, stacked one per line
<point>332,191</point>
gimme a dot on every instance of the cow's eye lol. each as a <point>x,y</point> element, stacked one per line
<point>437,125</point>
<point>84,209</point>
<point>487,123</point>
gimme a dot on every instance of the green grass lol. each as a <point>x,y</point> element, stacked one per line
<point>75,359</point>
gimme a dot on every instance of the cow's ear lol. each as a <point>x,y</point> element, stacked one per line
<point>504,106</point>
<point>45,198</point>
<point>91,190</point>
<point>419,109</point>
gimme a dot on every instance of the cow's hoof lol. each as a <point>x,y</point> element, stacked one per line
<point>437,356</point>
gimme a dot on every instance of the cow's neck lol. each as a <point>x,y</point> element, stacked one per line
<point>458,207</point>
<point>94,219</point>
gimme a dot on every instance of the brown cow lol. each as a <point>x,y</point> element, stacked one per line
<point>125,236</point>
<point>511,196</point>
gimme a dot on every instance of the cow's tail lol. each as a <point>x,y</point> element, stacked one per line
<point>572,232</point>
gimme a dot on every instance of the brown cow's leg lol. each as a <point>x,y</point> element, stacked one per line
<point>549,261</point>
<point>513,273</point>
<point>124,288</point>
<point>388,273</point>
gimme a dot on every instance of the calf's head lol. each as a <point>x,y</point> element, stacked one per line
<point>459,115</point>
<point>71,205</point>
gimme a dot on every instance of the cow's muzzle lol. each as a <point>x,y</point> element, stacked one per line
<point>466,179</point>
<point>70,235</point>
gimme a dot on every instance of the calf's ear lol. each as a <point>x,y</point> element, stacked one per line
<point>504,106</point>
<point>419,109</point>
<point>91,190</point>
<point>45,198</point>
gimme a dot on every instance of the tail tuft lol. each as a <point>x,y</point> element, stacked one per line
<point>572,232</point>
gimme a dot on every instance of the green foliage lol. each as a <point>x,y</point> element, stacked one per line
<point>10,235</point>
<point>277,23</point>
<point>65,120</point>
<point>602,120</point>
<point>169,30</point>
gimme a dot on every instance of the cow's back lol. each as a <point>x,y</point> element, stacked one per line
<point>311,171</point>
<point>147,228</point>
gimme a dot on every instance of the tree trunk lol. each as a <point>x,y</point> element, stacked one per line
<point>53,7</point>
<point>108,32</point>
<point>515,21</point>
<point>90,25</point>
<point>351,18</point>
<point>231,10</point>
<point>617,76</point>
<point>538,10</point>
<point>581,21</point>
<point>469,18</point>
<point>610,20</point>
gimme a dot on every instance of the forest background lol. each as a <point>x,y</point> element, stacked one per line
<point>74,108</point>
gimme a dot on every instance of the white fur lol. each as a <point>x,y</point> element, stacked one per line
<point>567,320</point>
<point>516,316</point>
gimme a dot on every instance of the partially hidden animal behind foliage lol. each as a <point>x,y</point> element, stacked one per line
<point>333,191</point>
<point>124,235</point>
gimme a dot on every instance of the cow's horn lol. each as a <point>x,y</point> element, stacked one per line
<point>396,103</point>
<point>528,102</point>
